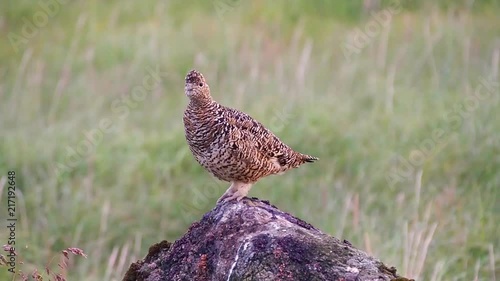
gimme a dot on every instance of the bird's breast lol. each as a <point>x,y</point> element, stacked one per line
<point>203,132</point>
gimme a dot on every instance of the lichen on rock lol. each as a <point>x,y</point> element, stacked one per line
<point>253,240</point>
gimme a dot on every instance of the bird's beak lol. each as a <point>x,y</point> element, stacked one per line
<point>187,89</point>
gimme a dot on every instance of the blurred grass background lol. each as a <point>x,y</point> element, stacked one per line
<point>284,63</point>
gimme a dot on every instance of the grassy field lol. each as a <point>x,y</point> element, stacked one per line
<point>400,105</point>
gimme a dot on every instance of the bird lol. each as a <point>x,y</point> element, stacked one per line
<point>230,144</point>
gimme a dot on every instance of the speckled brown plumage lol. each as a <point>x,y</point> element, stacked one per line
<point>230,144</point>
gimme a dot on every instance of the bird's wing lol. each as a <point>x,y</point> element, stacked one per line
<point>248,136</point>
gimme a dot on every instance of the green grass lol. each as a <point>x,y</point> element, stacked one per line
<point>363,117</point>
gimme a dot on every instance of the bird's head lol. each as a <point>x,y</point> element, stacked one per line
<point>196,87</point>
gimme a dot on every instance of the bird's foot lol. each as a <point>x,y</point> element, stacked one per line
<point>250,202</point>
<point>237,191</point>
<point>227,197</point>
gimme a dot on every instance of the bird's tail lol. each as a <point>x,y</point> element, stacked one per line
<point>298,159</point>
<point>308,158</point>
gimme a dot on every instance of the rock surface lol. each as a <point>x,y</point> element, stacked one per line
<point>252,240</point>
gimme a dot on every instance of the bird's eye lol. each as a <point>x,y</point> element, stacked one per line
<point>201,84</point>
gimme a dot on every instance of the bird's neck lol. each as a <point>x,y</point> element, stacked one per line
<point>203,102</point>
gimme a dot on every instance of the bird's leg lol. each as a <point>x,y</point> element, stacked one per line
<point>237,191</point>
